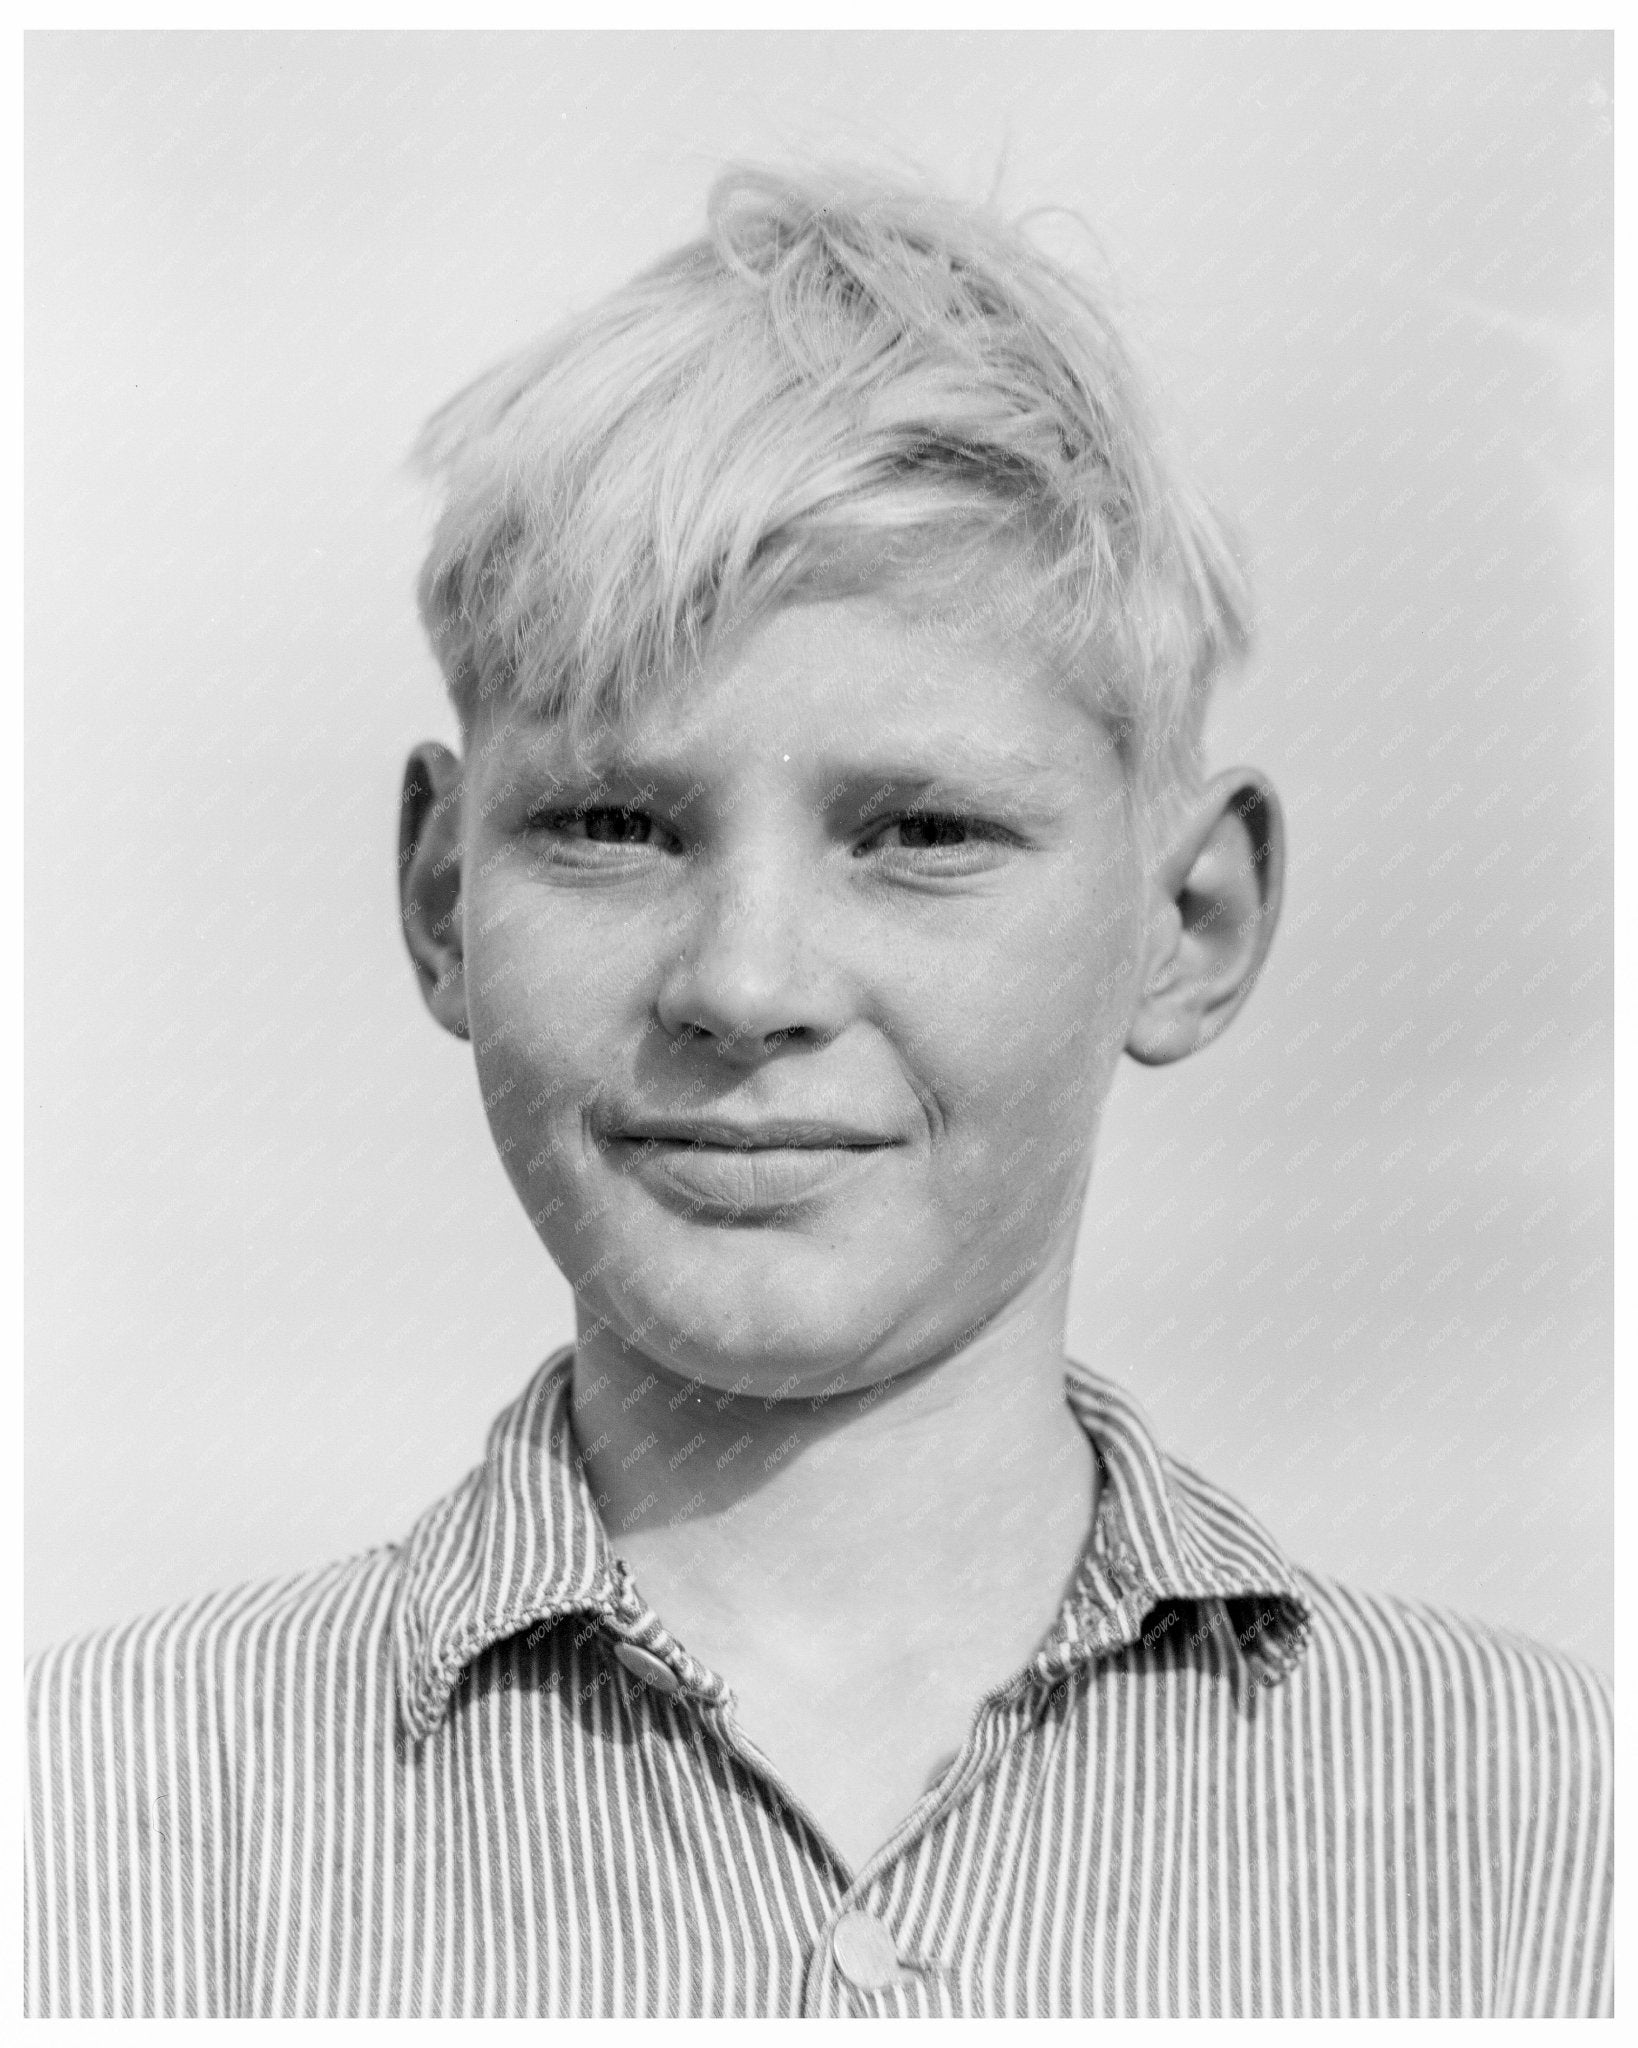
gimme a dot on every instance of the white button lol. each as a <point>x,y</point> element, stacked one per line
<point>651,1670</point>
<point>864,1952</point>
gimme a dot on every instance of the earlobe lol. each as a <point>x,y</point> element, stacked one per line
<point>1219,887</point>
<point>429,881</point>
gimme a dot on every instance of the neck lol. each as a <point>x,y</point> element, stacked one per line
<point>957,1494</point>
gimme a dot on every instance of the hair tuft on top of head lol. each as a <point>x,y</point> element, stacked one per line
<point>847,385</point>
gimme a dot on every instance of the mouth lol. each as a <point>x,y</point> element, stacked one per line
<point>737,1170</point>
<point>780,1134</point>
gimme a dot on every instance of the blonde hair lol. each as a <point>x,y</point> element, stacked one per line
<point>844,386</point>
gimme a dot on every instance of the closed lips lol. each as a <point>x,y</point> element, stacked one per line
<point>749,1172</point>
<point>788,1134</point>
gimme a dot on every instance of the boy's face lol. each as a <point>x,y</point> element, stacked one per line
<point>795,999</point>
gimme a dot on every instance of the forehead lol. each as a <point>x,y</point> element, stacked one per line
<point>835,683</point>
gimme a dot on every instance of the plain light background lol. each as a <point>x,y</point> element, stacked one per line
<point>1356,1260</point>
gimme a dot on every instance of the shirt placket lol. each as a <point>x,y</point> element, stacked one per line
<point>865,1964</point>
<point>860,1963</point>
<point>655,1662</point>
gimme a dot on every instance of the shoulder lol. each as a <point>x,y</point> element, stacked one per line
<point>152,1746</point>
<point>202,1645</point>
<point>1475,1743</point>
<point>164,1709</point>
<point>1412,1651</point>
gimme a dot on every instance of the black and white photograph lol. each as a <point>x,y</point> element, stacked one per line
<point>818,914</point>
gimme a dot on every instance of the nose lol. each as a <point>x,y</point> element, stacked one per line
<point>751,973</point>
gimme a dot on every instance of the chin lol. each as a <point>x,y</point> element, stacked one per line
<point>789,1342</point>
<point>819,1304</point>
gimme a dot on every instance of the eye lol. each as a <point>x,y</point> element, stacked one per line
<point>620,825</point>
<point>933,832</point>
<point>616,827</point>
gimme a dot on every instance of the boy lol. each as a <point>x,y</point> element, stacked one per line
<point>830,644</point>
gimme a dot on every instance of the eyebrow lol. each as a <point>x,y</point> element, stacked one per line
<point>952,757</point>
<point>1004,781</point>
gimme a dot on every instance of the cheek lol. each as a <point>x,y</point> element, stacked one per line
<point>1098,993</point>
<point>524,1114</point>
<point>534,1036</point>
<point>1045,1044</point>
<point>537,992</point>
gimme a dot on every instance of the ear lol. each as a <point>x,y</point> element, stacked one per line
<point>429,880</point>
<point>1216,898</point>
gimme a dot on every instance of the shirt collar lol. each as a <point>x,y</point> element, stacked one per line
<point>520,1544</point>
<point>1168,1546</point>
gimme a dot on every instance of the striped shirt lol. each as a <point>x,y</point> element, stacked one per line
<point>474,1774</point>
